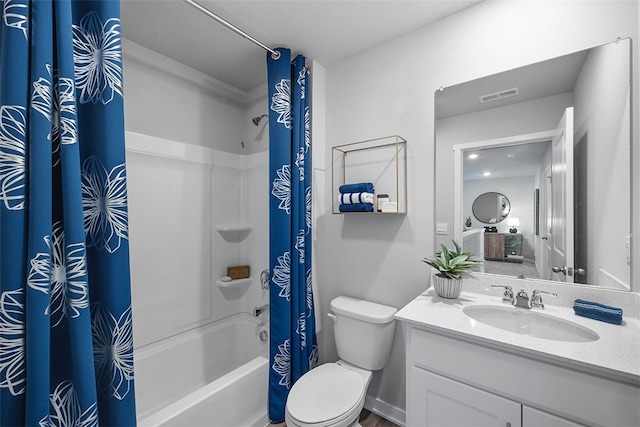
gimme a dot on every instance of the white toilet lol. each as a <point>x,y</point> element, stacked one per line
<point>333,394</point>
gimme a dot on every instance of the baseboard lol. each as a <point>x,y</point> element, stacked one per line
<point>385,410</point>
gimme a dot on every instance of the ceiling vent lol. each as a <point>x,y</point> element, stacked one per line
<point>499,95</point>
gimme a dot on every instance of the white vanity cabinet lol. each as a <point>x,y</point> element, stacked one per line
<point>536,417</point>
<point>457,381</point>
<point>439,401</point>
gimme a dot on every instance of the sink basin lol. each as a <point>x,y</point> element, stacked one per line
<point>531,323</point>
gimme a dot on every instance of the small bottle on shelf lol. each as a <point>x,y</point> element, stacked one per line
<point>380,199</point>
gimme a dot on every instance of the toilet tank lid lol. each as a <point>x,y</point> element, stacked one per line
<point>363,310</point>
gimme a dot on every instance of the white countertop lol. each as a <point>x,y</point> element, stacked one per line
<point>616,354</point>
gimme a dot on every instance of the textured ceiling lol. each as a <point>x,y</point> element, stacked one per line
<point>327,31</point>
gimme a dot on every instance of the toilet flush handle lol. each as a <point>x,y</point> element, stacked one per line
<point>333,316</point>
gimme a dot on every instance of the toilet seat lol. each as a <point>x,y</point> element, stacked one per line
<point>325,396</point>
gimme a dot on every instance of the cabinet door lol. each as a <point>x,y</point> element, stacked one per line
<point>513,243</point>
<point>494,246</point>
<point>434,400</point>
<point>536,418</point>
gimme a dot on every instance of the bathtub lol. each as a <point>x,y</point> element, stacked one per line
<point>214,375</point>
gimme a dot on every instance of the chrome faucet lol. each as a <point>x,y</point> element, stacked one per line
<point>507,297</point>
<point>521,299</point>
<point>536,299</point>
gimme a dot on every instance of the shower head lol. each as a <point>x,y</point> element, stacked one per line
<point>256,120</point>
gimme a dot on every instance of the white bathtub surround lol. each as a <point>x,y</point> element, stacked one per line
<point>178,194</point>
<point>188,363</point>
<point>191,336</point>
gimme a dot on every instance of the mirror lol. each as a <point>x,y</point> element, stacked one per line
<point>556,137</point>
<point>491,208</point>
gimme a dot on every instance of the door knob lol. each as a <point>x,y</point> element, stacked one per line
<point>581,271</point>
<point>567,271</point>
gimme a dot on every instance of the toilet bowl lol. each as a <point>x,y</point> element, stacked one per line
<point>333,394</point>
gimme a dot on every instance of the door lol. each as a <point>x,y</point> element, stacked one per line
<point>433,400</point>
<point>545,234</point>
<point>562,200</point>
<point>494,246</point>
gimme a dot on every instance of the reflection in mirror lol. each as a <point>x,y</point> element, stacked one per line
<point>555,136</point>
<point>491,207</point>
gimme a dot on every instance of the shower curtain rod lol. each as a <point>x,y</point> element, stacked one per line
<point>274,53</point>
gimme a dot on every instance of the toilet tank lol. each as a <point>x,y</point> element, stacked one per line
<point>363,331</point>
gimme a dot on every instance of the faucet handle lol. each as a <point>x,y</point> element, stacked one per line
<point>536,298</point>
<point>507,297</point>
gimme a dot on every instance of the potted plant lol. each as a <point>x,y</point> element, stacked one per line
<point>452,265</point>
<point>467,223</point>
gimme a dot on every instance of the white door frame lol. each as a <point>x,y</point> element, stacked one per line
<point>458,154</point>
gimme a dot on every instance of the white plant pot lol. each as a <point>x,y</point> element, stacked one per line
<point>447,288</point>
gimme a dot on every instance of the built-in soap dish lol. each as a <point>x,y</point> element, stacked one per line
<point>234,232</point>
<point>234,283</point>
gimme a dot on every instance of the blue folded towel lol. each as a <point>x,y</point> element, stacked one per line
<point>598,311</point>
<point>348,198</point>
<point>357,207</point>
<point>359,187</point>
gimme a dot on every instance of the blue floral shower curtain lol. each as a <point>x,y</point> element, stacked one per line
<point>293,348</point>
<point>66,348</point>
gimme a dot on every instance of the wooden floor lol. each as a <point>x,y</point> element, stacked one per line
<point>367,419</point>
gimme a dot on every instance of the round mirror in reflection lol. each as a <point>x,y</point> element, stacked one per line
<point>491,208</point>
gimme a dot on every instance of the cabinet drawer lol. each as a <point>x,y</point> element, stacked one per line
<point>533,417</point>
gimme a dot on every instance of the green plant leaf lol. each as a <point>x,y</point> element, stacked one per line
<point>452,263</point>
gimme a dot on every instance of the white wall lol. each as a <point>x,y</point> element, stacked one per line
<point>159,104</point>
<point>389,90</point>
<point>602,111</point>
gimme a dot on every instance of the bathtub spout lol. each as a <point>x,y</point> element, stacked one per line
<point>257,311</point>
